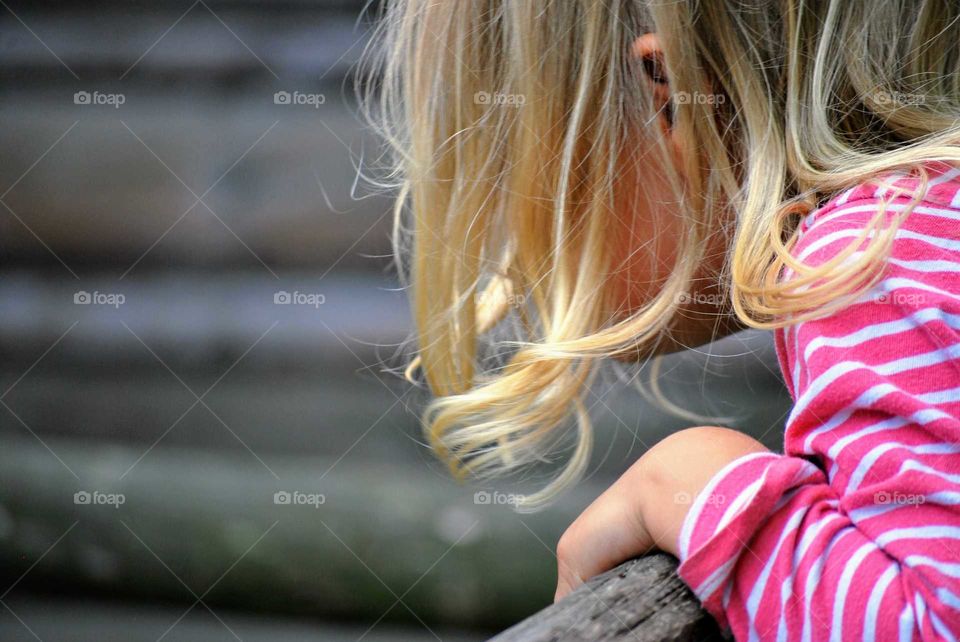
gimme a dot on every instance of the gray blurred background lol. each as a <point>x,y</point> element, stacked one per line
<point>202,437</point>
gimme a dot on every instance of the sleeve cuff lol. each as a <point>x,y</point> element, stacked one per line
<point>726,514</point>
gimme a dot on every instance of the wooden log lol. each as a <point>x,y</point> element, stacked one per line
<point>642,600</point>
<point>390,541</point>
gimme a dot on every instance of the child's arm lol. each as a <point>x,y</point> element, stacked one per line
<point>646,507</point>
<point>854,535</point>
<point>773,550</point>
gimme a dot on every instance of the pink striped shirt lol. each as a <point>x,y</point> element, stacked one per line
<point>854,532</point>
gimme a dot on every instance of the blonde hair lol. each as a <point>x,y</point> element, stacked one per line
<point>510,123</point>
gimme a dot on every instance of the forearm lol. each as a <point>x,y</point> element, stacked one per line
<point>646,507</point>
<point>674,472</point>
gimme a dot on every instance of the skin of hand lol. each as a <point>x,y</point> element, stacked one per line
<point>645,508</point>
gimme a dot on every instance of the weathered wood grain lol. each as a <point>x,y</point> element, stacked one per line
<point>642,600</point>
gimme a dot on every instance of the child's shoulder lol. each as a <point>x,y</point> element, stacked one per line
<point>933,225</point>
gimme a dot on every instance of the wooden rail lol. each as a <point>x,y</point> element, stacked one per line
<point>642,600</point>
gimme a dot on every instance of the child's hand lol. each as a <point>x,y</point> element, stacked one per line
<point>608,532</point>
<point>645,508</point>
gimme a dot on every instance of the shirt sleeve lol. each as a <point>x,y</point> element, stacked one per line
<point>854,532</point>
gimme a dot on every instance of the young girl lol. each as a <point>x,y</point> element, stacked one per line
<point>624,178</point>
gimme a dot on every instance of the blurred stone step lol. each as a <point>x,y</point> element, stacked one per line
<point>119,187</point>
<point>289,378</point>
<point>300,322</point>
<point>216,40</point>
<point>274,377</point>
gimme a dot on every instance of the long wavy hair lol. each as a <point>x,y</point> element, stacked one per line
<point>511,125</point>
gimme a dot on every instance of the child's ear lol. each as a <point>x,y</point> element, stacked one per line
<point>647,50</point>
